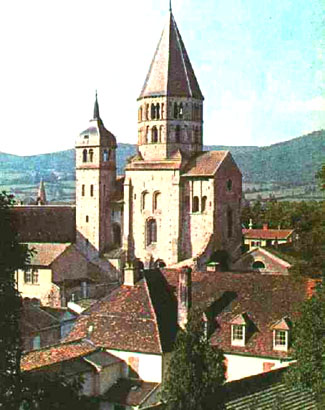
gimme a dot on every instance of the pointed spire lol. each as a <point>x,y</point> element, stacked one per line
<point>41,195</point>
<point>96,109</point>
<point>170,6</point>
<point>171,72</point>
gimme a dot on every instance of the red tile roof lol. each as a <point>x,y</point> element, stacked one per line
<point>124,320</point>
<point>205,164</point>
<point>55,354</point>
<point>267,233</point>
<point>264,299</point>
<point>46,253</point>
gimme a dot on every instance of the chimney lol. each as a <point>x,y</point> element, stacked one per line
<point>250,226</point>
<point>131,273</point>
<point>265,227</point>
<point>184,296</point>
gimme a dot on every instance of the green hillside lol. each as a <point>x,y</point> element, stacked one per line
<point>278,166</point>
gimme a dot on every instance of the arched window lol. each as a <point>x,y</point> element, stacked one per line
<point>178,133</point>
<point>117,234</point>
<point>83,190</point>
<point>203,203</point>
<point>195,204</point>
<point>147,111</point>
<point>151,231</point>
<point>105,155</point>
<point>180,111</point>
<point>144,200</point>
<point>258,265</point>
<point>162,111</point>
<point>154,134</point>
<point>160,133</point>
<point>153,111</point>
<point>158,111</point>
<point>84,155</point>
<point>91,155</point>
<point>156,201</point>
<point>175,110</point>
<point>229,222</point>
<point>147,133</point>
<point>91,190</point>
<point>140,114</point>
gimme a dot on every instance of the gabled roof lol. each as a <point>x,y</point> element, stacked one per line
<point>283,324</point>
<point>267,233</point>
<point>124,320</point>
<point>205,163</point>
<point>55,354</point>
<point>46,253</point>
<point>171,72</point>
<point>266,299</point>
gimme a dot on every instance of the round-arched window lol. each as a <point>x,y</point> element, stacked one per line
<point>258,265</point>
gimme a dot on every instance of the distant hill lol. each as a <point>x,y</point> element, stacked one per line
<point>293,162</point>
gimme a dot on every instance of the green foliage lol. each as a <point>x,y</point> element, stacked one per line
<point>321,177</point>
<point>195,371</point>
<point>43,391</point>
<point>307,218</point>
<point>309,346</point>
<point>12,257</point>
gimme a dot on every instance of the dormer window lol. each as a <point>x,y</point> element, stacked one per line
<point>239,326</point>
<point>281,333</point>
<point>238,335</point>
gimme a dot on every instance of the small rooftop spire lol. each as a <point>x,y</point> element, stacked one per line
<point>96,109</point>
<point>41,195</point>
<point>170,5</point>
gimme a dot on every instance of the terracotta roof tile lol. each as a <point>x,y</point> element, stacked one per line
<point>46,253</point>
<point>124,320</point>
<point>55,354</point>
<point>267,233</point>
<point>265,299</point>
<point>205,164</point>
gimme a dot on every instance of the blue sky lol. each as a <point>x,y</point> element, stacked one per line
<point>260,65</point>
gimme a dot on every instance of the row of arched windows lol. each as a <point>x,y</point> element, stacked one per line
<point>88,155</point>
<point>145,201</point>
<point>156,111</point>
<point>182,135</point>
<point>196,204</point>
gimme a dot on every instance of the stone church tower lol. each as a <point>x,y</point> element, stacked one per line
<point>180,203</point>
<point>95,186</point>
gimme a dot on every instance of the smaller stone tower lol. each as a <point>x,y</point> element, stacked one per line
<point>95,186</point>
<point>41,195</point>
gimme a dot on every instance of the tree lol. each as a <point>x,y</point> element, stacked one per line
<point>24,390</point>
<point>13,256</point>
<point>196,370</point>
<point>321,177</point>
<point>309,346</point>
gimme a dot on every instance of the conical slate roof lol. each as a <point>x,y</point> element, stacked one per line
<point>171,72</point>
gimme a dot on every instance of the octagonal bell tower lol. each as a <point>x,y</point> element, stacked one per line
<point>170,106</point>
